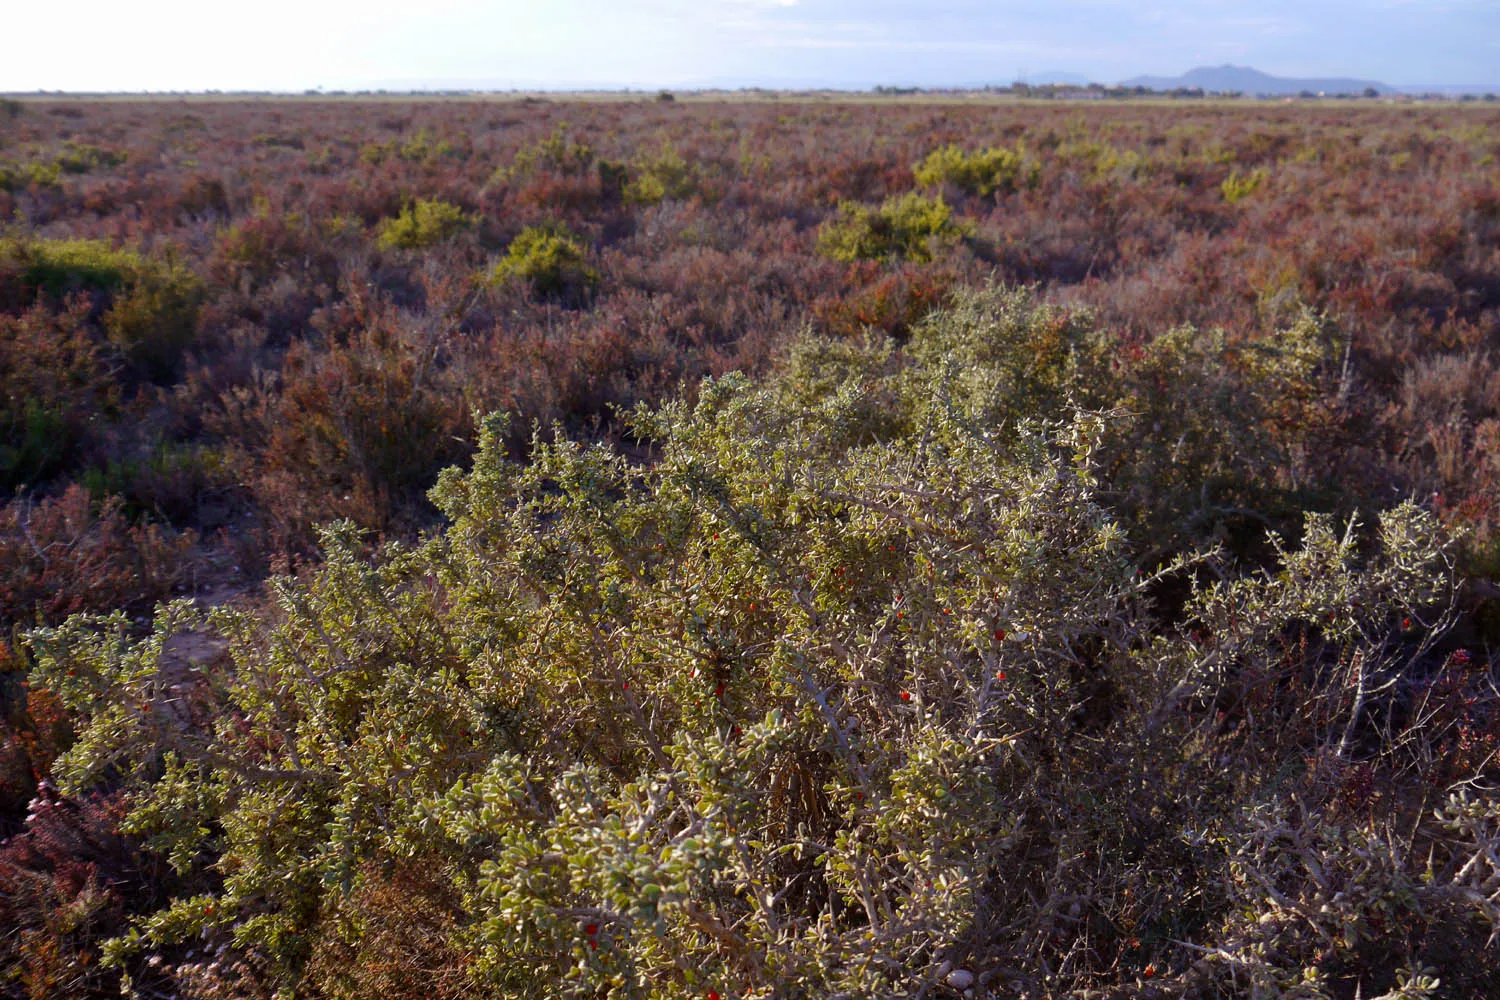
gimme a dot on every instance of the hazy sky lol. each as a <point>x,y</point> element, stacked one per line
<point>297,44</point>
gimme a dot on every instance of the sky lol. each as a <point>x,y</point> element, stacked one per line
<point>158,45</point>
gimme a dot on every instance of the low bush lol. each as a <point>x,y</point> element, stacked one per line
<point>1237,186</point>
<point>54,389</point>
<point>74,553</point>
<point>422,224</point>
<point>910,226</point>
<point>664,175</point>
<point>356,429</point>
<point>558,153</point>
<point>550,259</point>
<point>1212,437</point>
<point>983,173</point>
<point>152,305</point>
<point>154,320</point>
<point>83,158</point>
<point>56,267</point>
<point>857,689</point>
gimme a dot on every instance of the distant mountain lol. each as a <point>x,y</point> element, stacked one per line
<point>1223,79</point>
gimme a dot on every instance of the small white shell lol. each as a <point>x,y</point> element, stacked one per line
<point>960,979</point>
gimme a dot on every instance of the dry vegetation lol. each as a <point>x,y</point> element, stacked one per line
<point>1023,550</point>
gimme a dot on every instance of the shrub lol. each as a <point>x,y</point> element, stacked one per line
<point>1213,436</point>
<point>1229,434</point>
<point>892,304</point>
<point>550,259</point>
<point>155,318</point>
<point>855,685</point>
<point>909,226</point>
<point>420,149</point>
<point>57,267</point>
<point>422,224</point>
<point>660,177</point>
<point>54,387</point>
<point>1237,186</point>
<point>37,173</point>
<point>558,153</point>
<point>70,554</point>
<point>153,304</point>
<point>983,172</point>
<point>355,429</point>
<point>83,158</point>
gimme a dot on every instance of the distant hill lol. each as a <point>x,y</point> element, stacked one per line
<point>1222,79</point>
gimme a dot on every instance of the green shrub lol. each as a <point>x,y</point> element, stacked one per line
<point>1213,436</point>
<point>54,388</point>
<point>664,176</point>
<point>909,226</point>
<point>558,153</point>
<point>420,149</point>
<point>58,267</point>
<point>82,158</point>
<point>1237,186</point>
<point>422,224</point>
<point>155,319</point>
<point>550,258</point>
<point>857,683</point>
<point>1226,434</point>
<point>152,304</point>
<point>982,172</point>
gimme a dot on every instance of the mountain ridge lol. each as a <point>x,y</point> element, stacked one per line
<point>1247,80</point>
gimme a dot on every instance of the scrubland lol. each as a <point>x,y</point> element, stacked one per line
<point>728,550</point>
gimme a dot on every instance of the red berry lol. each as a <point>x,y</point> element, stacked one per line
<point>591,929</point>
<point>906,696</point>
<point>999,635</point>
<point>712,995</point>
<point>1406,623</point>
<point>1000,676</point>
